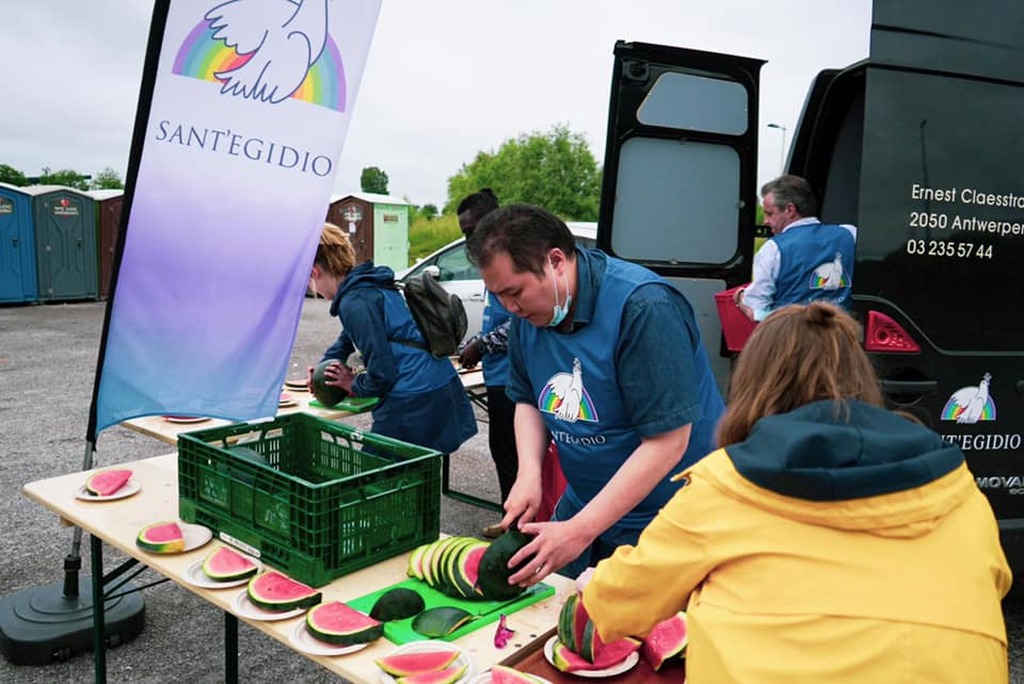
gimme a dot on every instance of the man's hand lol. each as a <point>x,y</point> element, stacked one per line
<point>471,355</point>
<point>555,545</point>
<point>339,375</point>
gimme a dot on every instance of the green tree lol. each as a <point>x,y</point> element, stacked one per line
<point>428,211</point>
<point>555,170</point>
<point>68,177</point>
<point>107,179</point>
<point>374,180</point>
<point>12,176</point>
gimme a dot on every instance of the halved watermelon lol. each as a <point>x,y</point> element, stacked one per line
<point>225,565</point>
<point>107,482</point>
<point>161,537</point>
<point>274,591</point>
<point>337,623</point>
<point>416,662</point>
<point>667,640</point>
<point>449,675</point>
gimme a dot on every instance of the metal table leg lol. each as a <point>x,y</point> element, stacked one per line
<point>230,648</point>
<point>99,626</point>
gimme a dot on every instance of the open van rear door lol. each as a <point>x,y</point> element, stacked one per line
<point>680,172</point>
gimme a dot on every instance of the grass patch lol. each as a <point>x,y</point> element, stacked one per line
<point>427,236</point>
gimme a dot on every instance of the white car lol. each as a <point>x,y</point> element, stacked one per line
<point>452,268</point>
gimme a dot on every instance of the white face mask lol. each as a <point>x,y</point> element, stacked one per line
<point>558,313</point>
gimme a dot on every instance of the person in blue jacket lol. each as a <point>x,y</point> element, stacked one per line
<point>422,400</point>
<point>490,347</point>
<point>805,260</point>
<point>607,357</point>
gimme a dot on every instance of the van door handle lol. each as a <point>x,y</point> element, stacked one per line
<point>475,298</point>
<point>909,386</point>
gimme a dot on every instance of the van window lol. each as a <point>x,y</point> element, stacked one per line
<point>695,103</point>
<point>670,207</point>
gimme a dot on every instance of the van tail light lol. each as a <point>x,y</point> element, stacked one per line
<point>883,334</point>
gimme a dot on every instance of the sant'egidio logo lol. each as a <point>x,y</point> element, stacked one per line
<point>971,404</point>
<point>566,397</point>
<point>266,51</point>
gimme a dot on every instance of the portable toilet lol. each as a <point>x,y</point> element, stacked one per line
<point>108,224</point>
<point>17,248</point>
<point>65,232</point>
<point>377,225</point>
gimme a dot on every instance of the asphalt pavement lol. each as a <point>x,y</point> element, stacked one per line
<point>47,368</point>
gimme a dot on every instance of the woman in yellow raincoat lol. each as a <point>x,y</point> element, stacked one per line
<point>828,540</point>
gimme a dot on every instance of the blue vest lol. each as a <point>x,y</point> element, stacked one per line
<point>816,263</point>
<point>495,365</point>
<point>574,378</point>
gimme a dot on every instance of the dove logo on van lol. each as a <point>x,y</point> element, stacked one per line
<point>971,404</point>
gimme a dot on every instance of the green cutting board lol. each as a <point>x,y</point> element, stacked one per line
<point>401,631</point>
<point>350,404</point>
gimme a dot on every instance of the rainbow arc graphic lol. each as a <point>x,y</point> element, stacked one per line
<point>550,402</point>
<point>202,56</point>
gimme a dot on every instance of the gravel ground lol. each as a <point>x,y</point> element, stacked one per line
<point>47,368</point>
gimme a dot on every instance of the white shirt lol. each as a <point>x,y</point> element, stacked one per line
<point>760,294</point>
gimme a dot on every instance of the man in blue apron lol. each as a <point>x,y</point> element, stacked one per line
<point>607,357</point>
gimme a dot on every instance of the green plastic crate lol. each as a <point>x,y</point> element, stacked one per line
<point>313,498</point>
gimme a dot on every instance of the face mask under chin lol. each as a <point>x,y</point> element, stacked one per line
<point>558,313</point>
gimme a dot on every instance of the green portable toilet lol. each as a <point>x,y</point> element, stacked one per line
<point>377,225</point>
<point>17,248</point>
<point>65,231</point>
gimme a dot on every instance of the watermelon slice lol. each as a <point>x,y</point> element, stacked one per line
<point>274,591</point>
<point>502,674</point>
<point>417,662</point>
<point>226,565</point>
<point>161,537</point>
<point>564,659</point>
<point>336,623</point>
<point>449,675</point>
<point>667,640</point>
<point>108,481</point>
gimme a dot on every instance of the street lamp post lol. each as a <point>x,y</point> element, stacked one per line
<point>782,151</point>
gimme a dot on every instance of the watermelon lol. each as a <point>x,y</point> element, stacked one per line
<point>107,482</point>
<point>226,564</point>
<point>566,660</point>
<point>414,562</point>
<point>449,675</point>
<point>492,579</point>
<point>328,395</point>
<point>274,591</point>
<point>337,623</point>
<point>502,674</point>
<point>417,662</point>
<point>667,640</point>
<point>397,604</point>
<point>161,537</point>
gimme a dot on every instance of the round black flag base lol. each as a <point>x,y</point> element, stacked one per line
<point>40,625</point>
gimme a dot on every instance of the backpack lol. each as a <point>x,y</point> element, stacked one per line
<point>439,315</point>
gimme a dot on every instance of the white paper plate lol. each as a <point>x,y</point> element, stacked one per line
<point>287,404</point>
<point>186,419</point>
<point>303,641</point>
<point>127,489</point>
<point>245,608</point>
<point>624,666</point>
<point>428,647</point>
<point>197,578</point>
<point>195,536</point>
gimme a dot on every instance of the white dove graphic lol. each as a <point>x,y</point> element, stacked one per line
<point>283,38</point>
<point>831,273</point>
<point>972,400</point>
<point>569,388</point>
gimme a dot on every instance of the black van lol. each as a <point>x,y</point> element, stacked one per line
<point>921,146</point>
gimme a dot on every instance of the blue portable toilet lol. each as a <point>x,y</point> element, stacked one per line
<point>65,231</point>
<point>17,246</point>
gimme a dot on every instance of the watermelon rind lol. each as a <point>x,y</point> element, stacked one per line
<point>414,561</point>
<point>161,537</point>
<point>336,623</point>
<point>108,482</point>
<point>492,581</point>
<point>503,674</point>
<point>449,675</point>
<point>416,662</point>
<point>227,565</point>
<point>276,592</point>
<point>666,640</point>
<point>465,568</point>
<point>440,621</point>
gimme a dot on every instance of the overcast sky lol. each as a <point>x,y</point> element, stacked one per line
<point>444,78</point>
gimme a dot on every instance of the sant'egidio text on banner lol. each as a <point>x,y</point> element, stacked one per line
<point>249,112</point>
